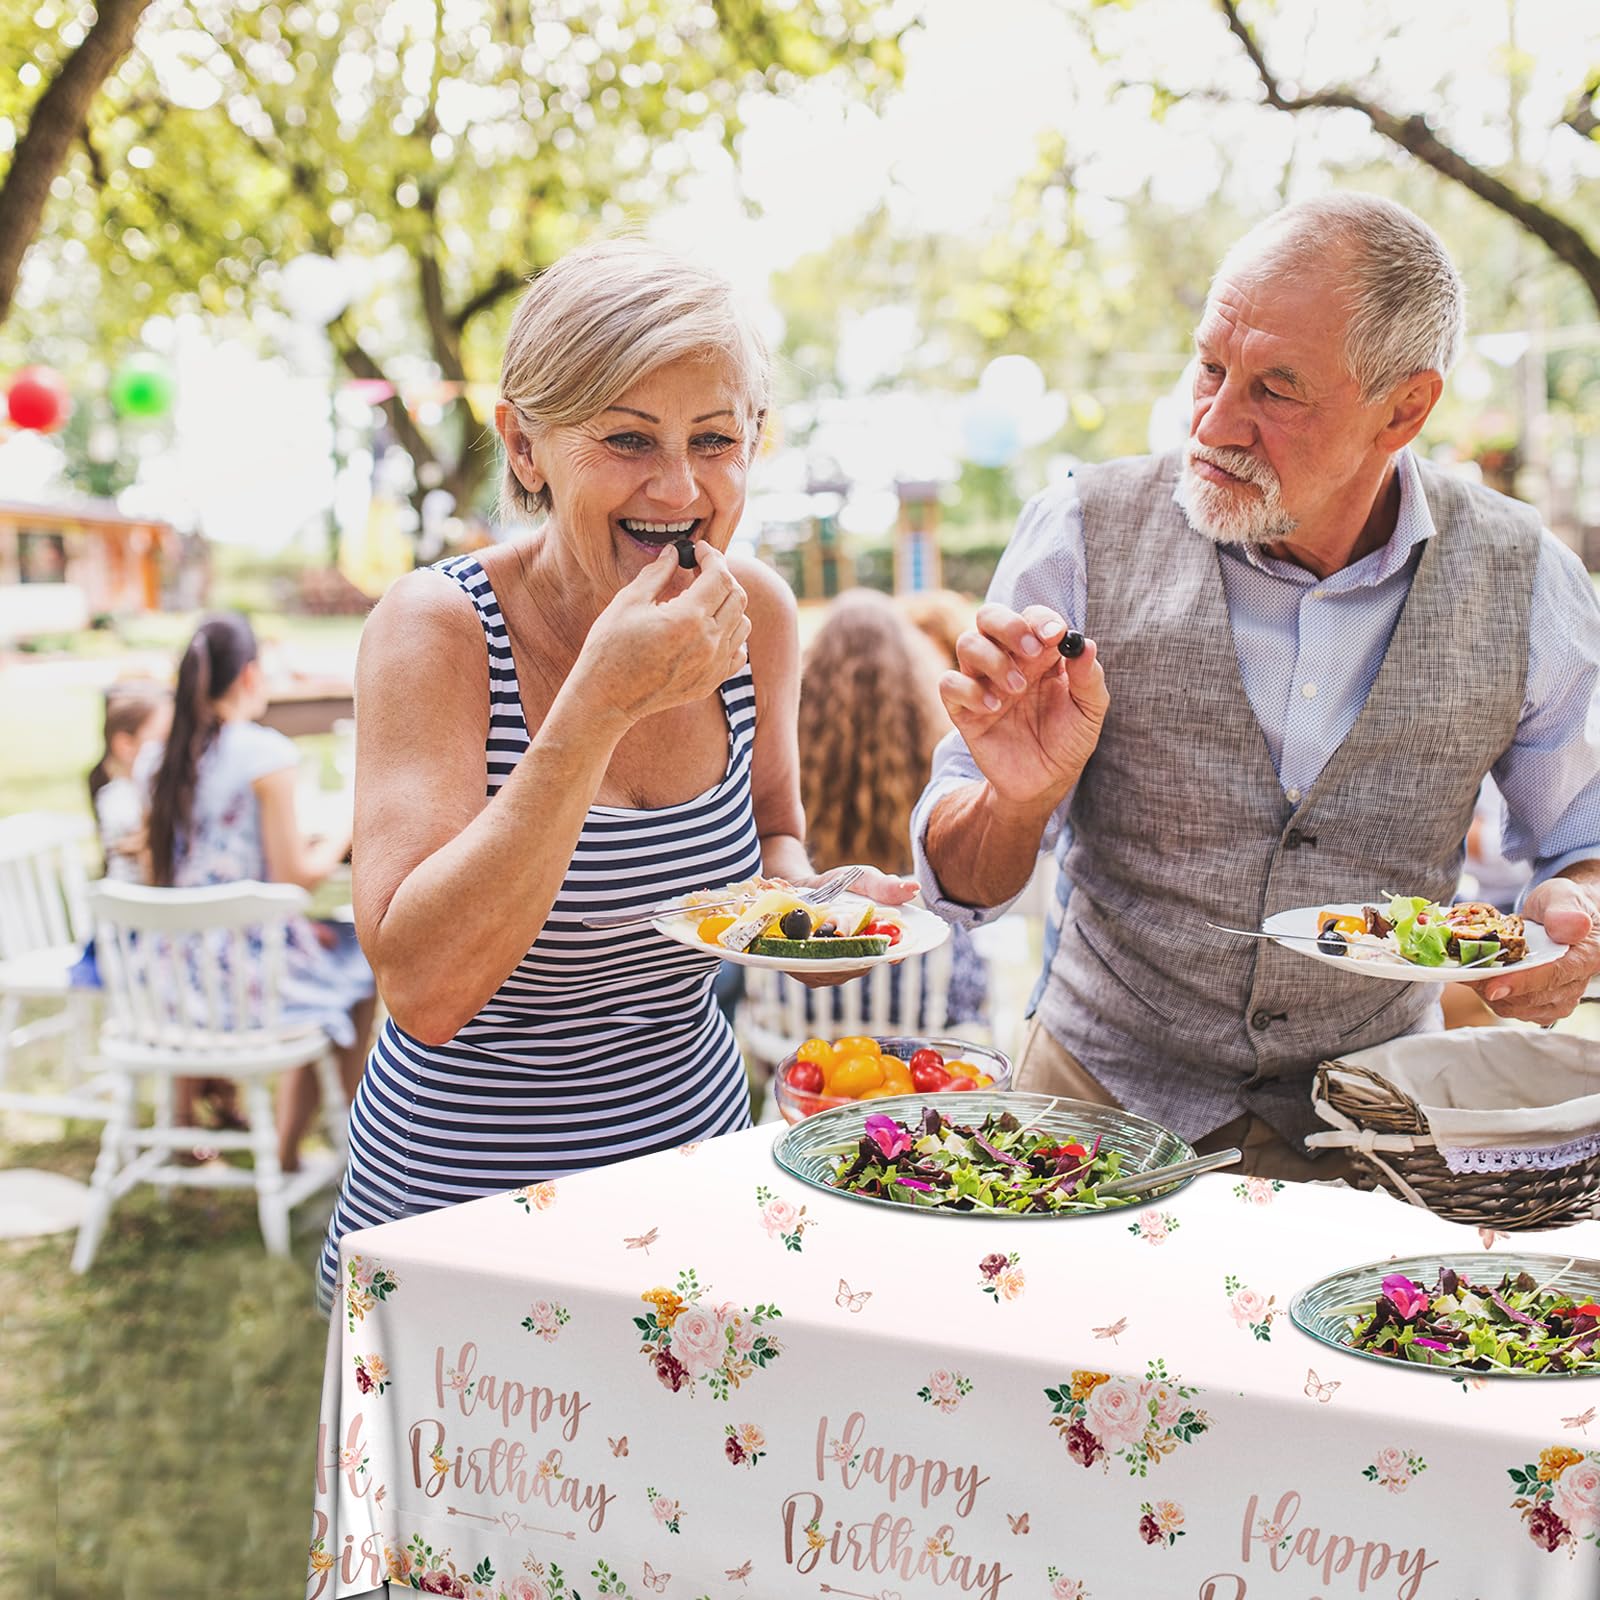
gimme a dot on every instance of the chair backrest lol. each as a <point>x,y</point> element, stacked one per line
<point>43,884</point>
<point>188,968</point>
<point>773,1013</point>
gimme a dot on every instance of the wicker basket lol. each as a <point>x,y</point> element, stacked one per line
<point>1398,1148</point>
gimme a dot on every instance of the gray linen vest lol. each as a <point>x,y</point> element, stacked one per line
<point>1180,818</point>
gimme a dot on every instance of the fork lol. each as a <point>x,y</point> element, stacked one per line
<point>820,895</point>
<point>1316,939</point>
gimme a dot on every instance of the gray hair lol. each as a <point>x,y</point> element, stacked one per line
<point>603,317</point>
<point>1405,300</point>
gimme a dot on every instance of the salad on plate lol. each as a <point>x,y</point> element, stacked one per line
<point>1511,1325</point>
<point>998,1165</point>
<point>1424,933</point>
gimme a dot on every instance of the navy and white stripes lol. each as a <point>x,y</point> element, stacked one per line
<point>600,1045</point>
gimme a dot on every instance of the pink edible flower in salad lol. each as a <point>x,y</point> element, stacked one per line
<point>888,1135</point>
<point>1405,1296</point>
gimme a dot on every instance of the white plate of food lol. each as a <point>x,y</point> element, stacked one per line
<point>849,934</point>
<point>1412,940</point>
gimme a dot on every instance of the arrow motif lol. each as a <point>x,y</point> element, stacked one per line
<point>853,1594</point>
<point>510,1522</point>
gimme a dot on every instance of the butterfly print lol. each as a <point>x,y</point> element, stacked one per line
<point>1582,1420</point>
<point>1112,1330</point>
<point>641,1241</point>
<point>1317,1389</point>
<point>1019,1523</point>
<point>740,1572</point>
<point>1489,1236</point>
<point>619,1447</point>
<point>655,1580</point>
<point>851,1300</point>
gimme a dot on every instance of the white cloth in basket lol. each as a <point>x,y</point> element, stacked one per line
<point>1503,1099</point>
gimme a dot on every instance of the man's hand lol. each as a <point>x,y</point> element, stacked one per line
<point>1570,914</point>
<point>1030,718</point>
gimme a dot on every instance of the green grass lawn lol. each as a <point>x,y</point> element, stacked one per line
<point>158,1416</point>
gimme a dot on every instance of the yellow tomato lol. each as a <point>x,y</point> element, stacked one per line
<point>817,1050</point>
<point>984,1081</point>
<point>853,1076</point>
<point>895,1077</point>
<point>855,1045</point>
<point>964,1069</point>
<point>1329,919</point>
<point>882,1092</point>
<point>712,926</point>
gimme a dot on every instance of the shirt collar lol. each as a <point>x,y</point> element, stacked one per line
<point>1413,525</point>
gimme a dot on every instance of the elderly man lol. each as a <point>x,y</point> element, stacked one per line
<point>1309,646</point>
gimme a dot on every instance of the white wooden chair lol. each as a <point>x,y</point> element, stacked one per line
<point>44,924</point>
<point>192,983</point>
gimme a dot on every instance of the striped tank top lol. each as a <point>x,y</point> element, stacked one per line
<point>600,1045</point>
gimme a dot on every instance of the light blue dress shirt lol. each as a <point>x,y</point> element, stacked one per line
<point>1309,649</point>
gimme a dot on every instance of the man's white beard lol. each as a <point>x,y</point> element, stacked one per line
<point>1227,515</point>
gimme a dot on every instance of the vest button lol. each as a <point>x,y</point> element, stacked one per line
<point>1261,1020</point>
<point>1293,839</point>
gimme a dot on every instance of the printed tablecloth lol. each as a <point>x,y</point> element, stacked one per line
<point>692,1376</point>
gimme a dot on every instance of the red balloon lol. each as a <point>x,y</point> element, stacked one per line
<point>38,399</point>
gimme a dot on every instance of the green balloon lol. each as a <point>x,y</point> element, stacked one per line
<point>142,387</point>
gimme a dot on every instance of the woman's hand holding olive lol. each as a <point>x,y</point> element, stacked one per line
<point>661,643</point>
<point>1030,717</point>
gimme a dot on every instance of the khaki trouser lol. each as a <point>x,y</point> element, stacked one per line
<point>1045,1067</point>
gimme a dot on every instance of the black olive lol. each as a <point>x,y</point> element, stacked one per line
<point>1072,643</point>
<point>826,930</point>
<point>795,924</point>
<point>686,555</point>
<point>1333,943</point>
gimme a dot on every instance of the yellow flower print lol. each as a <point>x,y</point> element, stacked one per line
<point>1554,1461</point>
<point>668,1305</point>
<point>814,1539</point>
<point>1084,1384</point>
<point>321,1561</point>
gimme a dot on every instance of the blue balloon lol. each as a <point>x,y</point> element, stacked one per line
<point>991,436</point>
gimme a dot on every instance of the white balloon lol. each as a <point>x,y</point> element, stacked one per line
<point>314,289</point>
<point>870,515</point>
<point>1014,382</point>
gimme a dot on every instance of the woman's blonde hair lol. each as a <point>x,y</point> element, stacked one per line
<point>870,716</point>
<point>601,318</point>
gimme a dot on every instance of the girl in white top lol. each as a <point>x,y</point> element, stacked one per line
<point>137,714</point>
<point>222,810</point>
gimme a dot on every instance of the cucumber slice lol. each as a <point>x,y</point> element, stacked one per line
<point>821,949</point>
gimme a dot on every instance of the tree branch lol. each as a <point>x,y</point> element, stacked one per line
<point>59,117</point>
<point>1414,135</point>
<point>504,282</point>
<point>361,365</point>
<point>1580,114</point>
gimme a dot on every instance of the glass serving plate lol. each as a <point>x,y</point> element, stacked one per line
<point>1320,1308</point>
<point>808,1150</point>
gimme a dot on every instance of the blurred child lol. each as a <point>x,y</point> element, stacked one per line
<point>137,714</point>
<point>222,810</point>
<point>870,715</point>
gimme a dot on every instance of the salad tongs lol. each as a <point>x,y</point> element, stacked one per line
<point>1160,1177</point>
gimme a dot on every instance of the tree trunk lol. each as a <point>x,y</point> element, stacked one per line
<point>58,118</point>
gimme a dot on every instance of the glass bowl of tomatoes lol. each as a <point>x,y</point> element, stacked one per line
<point>822,1074</point>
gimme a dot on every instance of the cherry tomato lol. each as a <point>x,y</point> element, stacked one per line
<point>817,1050</point>
<point>887,930</point>
<point>806,1076</point>
<point>961,1069</point>
<point>927,1056</point>
<point>926,1076</point>
<point>983,1081</point>
<point>959,1083</point>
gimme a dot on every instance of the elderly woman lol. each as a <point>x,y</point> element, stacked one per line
<point>568,723</point>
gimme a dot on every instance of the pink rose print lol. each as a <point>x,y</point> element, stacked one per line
<point>1166,1404</point>
<point>1577,1497</point>
<point>944,1389</point>
<point>779,1217</point>
<point>1064,1588</point>
<point>782,1219</point>
<point>697,1340</point>
<point>666,1511</point>
<point>545,1319</point>
<point>1394,1468</point>
<point>1248,1306</point>
<point>1155,1227</point>
<point>1001,1276</point>
<point>1116,1412</point>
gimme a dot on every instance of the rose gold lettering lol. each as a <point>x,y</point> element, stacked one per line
<point>1209,1589</point>
<point>364,1563</point>
<point>431,1431</point>
<point>319,1530</point>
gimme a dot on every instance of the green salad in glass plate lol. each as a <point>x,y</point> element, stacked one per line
<point>980,1154</point>
<point>1506,1315</point>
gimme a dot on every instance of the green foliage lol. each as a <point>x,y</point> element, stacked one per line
<point>451,148</point>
